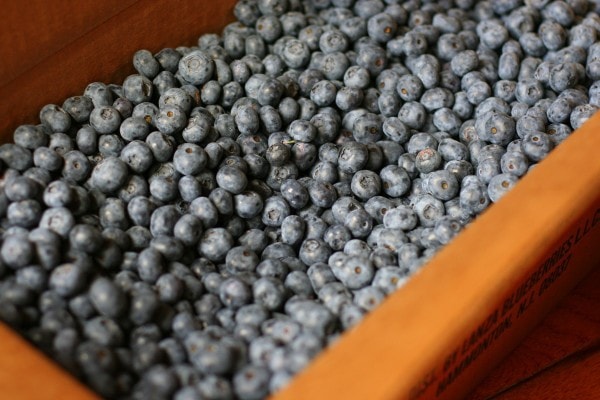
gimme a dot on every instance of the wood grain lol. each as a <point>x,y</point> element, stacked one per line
<point>102,53</point>
<point>31,34</point>
<point>572,328</point>
<point>577,378</point>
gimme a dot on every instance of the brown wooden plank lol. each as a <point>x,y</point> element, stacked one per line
<point>572,327</point>
<point>577,377</point>
<point>31,33</point>
<point>104,53</point>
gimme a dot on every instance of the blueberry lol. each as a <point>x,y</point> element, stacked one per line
<point>16,252</point>
<point>389,278</point>
<point>314,251</point>
<point>138,156</point>
<point>103,330</point>
<point>189,159</point>
<point>582,36</point>
<point>323,93</point>
<point>215,387</point>
<point>428,209</point>
<point>109,175</point>
<point>495,127</point>
<point>248,204</point>
<point>86,238</point>
<point>21,188</point>
<point>532,44</point>
<point>76,166</point>
<point>145,63</point>
<point>372,58</point>
<point>436,98</point>
<point>46,158</point>
<point>352,157</point>
<point>148,111</point>
<point>25,213</point>
<point>295,53</point>
<point>170,119</point>
<point>427,160</point>
<point>536,145</point>
<point>500,185</point>
<point>325,171</point>
<point>205,210</point>
<point>474,197</point>
<point>15,156</point>
<point>359,223</point>
<point>563,76</point>
<point>198,128</point>
<point>275,210</point>
<point>296,194</point>
<point>196,67</point>
<point>231,179</point>
<point>529,91</point>
<point>208,355</point>
<point>161,220</point>
<point>134,128</point>
<point>59,220</point>
<point>368,298</point>
<point>366,184</point>
<point>558,133</point>
<point>560,12</point>
<point>381,27</point>
<point>442,185</point>
<point>30,137</point>
<point>505,90</point>
<point>412,114</point>
<point>67,279</point>
<point>478,92</point>
<point>270,119</point>
<point>553,35</point>
<point>55,118</point>
<point>268,292</point>
<point>303,155</point>
<point>170,288</point>
<point>487,168</point>
<point>581,114</point>
<point>356,272</point>
<point>215,243</point>
<point>163,81</point>
<point>251,383</point>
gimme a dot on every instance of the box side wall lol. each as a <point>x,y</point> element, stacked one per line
<point>103,53</point>
<point>522,310</point>
<point>571,328</point>
<point>574,378</point>
<point>31,34</point>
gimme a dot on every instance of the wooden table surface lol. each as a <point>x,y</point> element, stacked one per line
<point>560,359</point>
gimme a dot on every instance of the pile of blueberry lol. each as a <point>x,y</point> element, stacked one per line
<point>206,228</point>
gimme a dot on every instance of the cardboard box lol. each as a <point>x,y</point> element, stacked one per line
<point>570,331</point>
<point>433,339</point>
